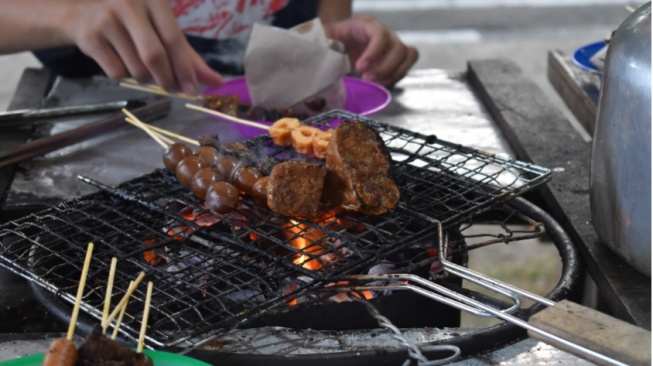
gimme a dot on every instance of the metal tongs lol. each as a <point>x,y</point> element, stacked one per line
<point>24,117</point>
<point>148,108</point>
<point>561,310</point>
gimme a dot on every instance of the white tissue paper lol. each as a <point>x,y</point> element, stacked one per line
<point>298,68</point>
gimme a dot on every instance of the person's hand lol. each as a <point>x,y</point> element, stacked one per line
<point>374,50</point>
<point>139,39</point>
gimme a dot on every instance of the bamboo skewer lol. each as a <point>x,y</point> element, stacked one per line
<point>123,301</point>
<point>146,314</point>
<point>133,84</point>
<point>116,327</point>
<point>228,117</point>
<point>107,297</point>
<point>161,131</point>
<point>140,124</point>
<point>155,89</point>
<point>80,292</point>
<point>165,139</point>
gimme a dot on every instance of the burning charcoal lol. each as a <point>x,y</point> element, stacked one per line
<point>241,297</point>
<point>382,268</point>
<point>292,284</point>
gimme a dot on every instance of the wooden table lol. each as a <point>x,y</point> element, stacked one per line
<point>540,133</point>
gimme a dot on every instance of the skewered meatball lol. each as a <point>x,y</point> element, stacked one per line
<point>222,197</point>
<point>187,168</point>
<point>208,154</point>
<point>226,165</point>
<point>260,191</point>
<point>245,177</point>
<point>203,180</point>
<point>174,154</point>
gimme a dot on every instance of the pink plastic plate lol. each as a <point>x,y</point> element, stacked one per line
<point>362,97</point>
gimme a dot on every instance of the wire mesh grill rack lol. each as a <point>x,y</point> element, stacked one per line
<point>212,273</point>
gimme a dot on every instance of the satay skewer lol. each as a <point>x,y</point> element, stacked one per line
<point>144,126</point>
<point>80,293</point>
<point>123,301</point>
<point>228,117</point>
<point>107,297</point>
<point>162,131</point>
<point>284,132</point>
<point>146,314</point>
<point>62,351</point>
<point>116,326</point>
<point>155,89</point>
<point>140,124</point>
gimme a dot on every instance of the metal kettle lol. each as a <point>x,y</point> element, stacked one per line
<point>620,178</point>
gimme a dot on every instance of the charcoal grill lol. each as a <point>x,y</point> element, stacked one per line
<point>214,273</point>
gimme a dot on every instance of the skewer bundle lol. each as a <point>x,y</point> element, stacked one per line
<point>226,104</point>
<point>293,188</point>
<point>284,132</point>
<point>63,351</point>
<point>216,174</point>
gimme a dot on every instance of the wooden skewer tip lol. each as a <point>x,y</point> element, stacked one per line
<point>155,89</point>
<point>107,297</point>
<point>146,314</point>
<point>124,299</point>
<point>116,327</point>
<point>162,131</point>
<point>80,292</point>
<point>165,139</point>
<point>228,117</point>
<point>147,130</point>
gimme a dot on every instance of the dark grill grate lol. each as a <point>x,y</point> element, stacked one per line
<point>213,273</point>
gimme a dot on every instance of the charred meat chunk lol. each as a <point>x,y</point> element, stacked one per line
<point>358,165</point>
<point>295,188</point>
<point>98,350</point>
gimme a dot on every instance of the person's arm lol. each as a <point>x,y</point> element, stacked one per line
<point>375,51</point>
<point>31,25</point>
<point>332,11</point>
<point>137,38</point>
